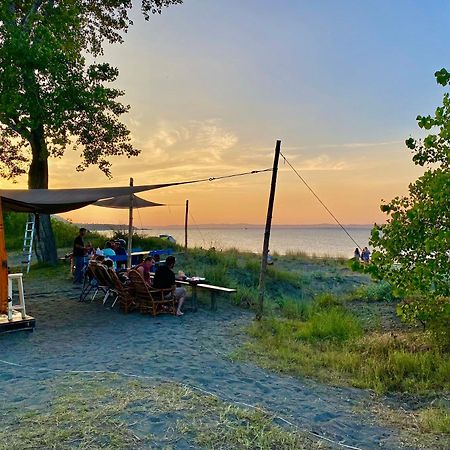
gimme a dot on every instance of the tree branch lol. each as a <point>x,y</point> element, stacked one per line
<point>34,8</point>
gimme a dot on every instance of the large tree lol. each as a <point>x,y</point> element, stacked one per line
<point>50,98</point>
<point>412,250</point>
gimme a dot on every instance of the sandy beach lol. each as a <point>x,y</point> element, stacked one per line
<point>193,350</point>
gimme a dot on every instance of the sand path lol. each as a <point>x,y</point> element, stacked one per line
<point>192,350</point>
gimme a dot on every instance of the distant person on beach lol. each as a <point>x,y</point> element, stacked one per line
<point>78,255</point>
<point>269,258</point>
<point>144,268</point>
<point>357,255</point>
<point>165,279</point>
<point>365,255</point>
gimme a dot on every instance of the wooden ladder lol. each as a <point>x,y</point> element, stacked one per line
<point>28,243</point>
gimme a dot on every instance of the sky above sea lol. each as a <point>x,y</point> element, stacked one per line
<point>213,84</point>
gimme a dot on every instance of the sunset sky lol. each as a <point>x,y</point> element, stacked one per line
<point>213,84</point>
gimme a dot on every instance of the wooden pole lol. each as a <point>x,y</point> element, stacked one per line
<point>130,228</point>
<point>265,252</point>
<point>186,226</point>
<point>3,267</point>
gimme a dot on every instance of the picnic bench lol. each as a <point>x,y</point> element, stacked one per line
<point>214,290</point>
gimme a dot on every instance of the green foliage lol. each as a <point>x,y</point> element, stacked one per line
<point>49,96</point>
<point>217,275</point>
<point>246,296</point>
<point>14,230</point>
<point>146,242</point>
<point>436,419</point>
<point>327,300</point>
<point>317,347</point>
<point>293,308</point>
<point>411,251</point>
<point>333,324</point>
<point>64,232</point>
<point>378,291</point>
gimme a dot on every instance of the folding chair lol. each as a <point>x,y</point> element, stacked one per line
<point>104,284</point>
<point>89,281</point>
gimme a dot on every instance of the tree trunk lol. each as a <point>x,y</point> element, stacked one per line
<point>44,240</point>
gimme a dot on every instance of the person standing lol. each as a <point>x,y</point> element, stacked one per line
<point>365,255</point>
<point>78,256</point>
<point>357,255</point>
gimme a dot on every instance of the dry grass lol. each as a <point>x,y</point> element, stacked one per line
<point>108,411</point>
<point>425,428</point>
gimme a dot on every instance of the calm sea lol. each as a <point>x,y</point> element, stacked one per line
<point>317,241</point>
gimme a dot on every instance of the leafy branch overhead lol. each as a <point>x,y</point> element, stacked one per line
<point>413,247</point>
<point>50,98</point>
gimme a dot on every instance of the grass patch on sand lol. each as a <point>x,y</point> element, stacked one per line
<point>325,341</point>
<point>436,419</point>
<point>419,428</point>
<point>109,411</point>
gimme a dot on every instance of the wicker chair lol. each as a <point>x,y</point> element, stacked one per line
<point>153,301</point>
<point>125,293</point>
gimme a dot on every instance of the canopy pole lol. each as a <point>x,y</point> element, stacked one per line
<point>3,267</point>
<point>265,252</point>
<point>130,228</point>
<point>186,215</point>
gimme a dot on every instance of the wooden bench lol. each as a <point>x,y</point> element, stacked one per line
<point>214,290</point>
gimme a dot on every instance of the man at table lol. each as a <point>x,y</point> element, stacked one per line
<point>165,279</point>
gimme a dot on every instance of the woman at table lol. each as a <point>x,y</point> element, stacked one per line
<point>144,268</point>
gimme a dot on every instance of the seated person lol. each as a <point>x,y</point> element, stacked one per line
<point>119,248</point>
<point>157,259</point>
<point>108,263</point>
<point>165,279</point>
<point>144,268</point>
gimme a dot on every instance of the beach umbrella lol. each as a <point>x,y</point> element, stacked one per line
<point>129,202</point>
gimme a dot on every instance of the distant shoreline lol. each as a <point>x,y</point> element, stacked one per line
<point>237,226</point>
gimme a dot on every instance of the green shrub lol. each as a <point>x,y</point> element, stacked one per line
<point>326,300</point>
<point>436,419</point>
<point>217,275</point>
<point>14,224</point>
<point>246,296</point>
<point>294,309</point>
<point>322,348</point>
<point>252,265</point>
<point>333,324</point>
<point>378,291</point>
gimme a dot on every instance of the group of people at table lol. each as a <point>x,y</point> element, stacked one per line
<point>163,278</point>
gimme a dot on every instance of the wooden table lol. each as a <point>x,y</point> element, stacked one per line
<point>214,290</point>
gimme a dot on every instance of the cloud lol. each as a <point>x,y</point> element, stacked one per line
<point>169,152</point>
<point>323,162</point>
<point>344,145</point>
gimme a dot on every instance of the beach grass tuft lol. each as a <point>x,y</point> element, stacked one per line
<point>330,345</point>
